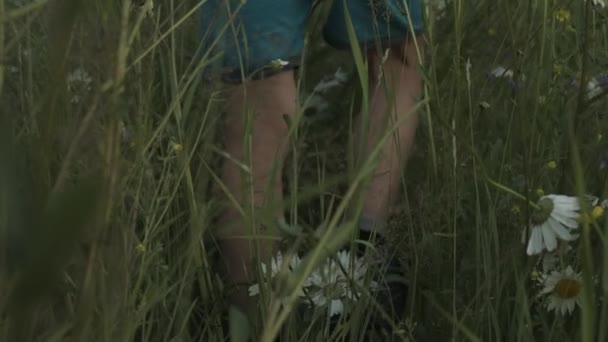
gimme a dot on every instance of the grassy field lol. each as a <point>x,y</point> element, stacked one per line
<point>110,144</point>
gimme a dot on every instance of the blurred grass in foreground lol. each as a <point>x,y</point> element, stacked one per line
<point>109,148</point>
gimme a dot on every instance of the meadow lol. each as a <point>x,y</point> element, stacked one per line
<point>110,145</point>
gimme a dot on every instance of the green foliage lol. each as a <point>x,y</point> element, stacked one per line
<point>109,188</point>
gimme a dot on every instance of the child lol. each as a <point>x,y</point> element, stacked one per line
<point>262,42</point>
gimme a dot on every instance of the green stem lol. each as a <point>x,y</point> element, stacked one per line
<point>513,192</point>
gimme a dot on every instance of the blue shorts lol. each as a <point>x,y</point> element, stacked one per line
<point>243,38</point>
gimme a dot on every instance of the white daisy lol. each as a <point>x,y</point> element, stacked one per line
<point>555,220</point>
<point>337,280</point>
<point>564,289</point>
<point>501,71</point>
<point>593,88</point>
<point>276,265</point>
<point>278,63</point>
<point>79,75</point>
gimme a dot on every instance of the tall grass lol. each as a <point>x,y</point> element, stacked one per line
<point>110,146</point>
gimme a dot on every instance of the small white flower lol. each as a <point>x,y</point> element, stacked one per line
<point>556,220</point>
<point>336,281</point>
<point>79,76</point>
<point>599,3</point>
<point>501,71</point>
<point>334,306</point>
<point>564,290</point>
<point>278,63</point>
<point>276,266</point>
<point>593,88</point>
<point>254,290</point>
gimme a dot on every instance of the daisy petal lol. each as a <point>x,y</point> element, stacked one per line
<point>335,307</point>
<point>535,245</point>
<point>566,201</point>
<point>560,230</point>
<point>549,236</point>
<point>568,221</point>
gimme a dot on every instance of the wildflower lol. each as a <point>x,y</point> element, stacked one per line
<point>593,216</point>
<point>140,248</point>
<point>78,79</point>
<point>501,71</point>
<point>557,69</point>
<point>515,209</point>
<point>276,265</point>
<point>534,275</point>
<point>177,147</point>
<point>278,63</point>
<point>597,85</point>
<point>551,165</point>
<point>564,289</point>
<point>562,15</point>
<point>330,286</point>
<point>555,220</point>
<point>79,76</point>
<point>597,212</point>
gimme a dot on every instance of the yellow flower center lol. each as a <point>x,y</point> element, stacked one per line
<point>567,288</point>
<point>597,212</point>
<point>592,216</point>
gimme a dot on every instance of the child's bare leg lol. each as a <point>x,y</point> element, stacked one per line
<point>395,93</point>
<point>266,102</point>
